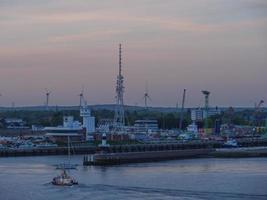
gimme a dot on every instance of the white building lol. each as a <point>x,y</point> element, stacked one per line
<point>199,114</point>
<point>68,122</point>
<point>15,123</point>
<point>88,122</point>
<point>70,128</point>
<point>74,129</point>
<point>196,114</point>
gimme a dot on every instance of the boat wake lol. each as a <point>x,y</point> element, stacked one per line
<point>175,193</point>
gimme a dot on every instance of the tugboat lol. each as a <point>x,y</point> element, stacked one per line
<point>64,180</point>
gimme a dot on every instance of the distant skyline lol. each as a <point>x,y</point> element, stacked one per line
<point>215,45</point>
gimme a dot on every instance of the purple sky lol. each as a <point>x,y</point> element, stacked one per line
<point>217,45</point>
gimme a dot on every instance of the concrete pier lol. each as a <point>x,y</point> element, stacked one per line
<point>148,156</point>
<point>244,152</point>
<point>156,152</point>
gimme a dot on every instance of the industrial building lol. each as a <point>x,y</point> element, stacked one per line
<point>72,129</point>
<point>15,123</point>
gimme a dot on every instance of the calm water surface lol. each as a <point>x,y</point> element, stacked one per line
<point>27,178</point>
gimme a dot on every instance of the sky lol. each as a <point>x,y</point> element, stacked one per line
<point>215,45</point>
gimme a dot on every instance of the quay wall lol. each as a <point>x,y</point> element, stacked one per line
<point>111,149</point>
<point>240,153</point>
<point>149,156</point>
<point>45,151</point>
<point>85,150</point>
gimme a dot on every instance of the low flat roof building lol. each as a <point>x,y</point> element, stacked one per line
<point>70,128</point>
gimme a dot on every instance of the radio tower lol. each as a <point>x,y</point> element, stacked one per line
<point>119,120</point>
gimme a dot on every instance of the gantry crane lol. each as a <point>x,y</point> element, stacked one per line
<point>206,108</point>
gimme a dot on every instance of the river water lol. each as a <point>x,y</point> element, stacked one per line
<point>27,178</point>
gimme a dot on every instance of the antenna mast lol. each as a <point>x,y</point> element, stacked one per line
<point>119,120</point>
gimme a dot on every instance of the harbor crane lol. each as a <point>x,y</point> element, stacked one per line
<point>182,111</point>
<point>206,108</point>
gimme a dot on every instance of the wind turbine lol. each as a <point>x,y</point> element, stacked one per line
<point>81,95</point>
<point>47,94</point>
<point>146,97</point>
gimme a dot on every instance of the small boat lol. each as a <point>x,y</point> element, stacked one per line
<point>64,180</point>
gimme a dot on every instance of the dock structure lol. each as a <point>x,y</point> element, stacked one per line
<point>147,156</point>
<point>243,152</point>
<point>150,152</point>
<point>157,152</point>
<point>45,151</point>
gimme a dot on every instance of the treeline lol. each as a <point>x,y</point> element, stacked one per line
<point>165,120</point>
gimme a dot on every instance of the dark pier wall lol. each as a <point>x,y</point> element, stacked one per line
<point>45,151</point>
<point>148,156</point>
<point>126,148</point>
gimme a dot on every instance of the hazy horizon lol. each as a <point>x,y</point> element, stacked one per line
<point>216,45</point>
